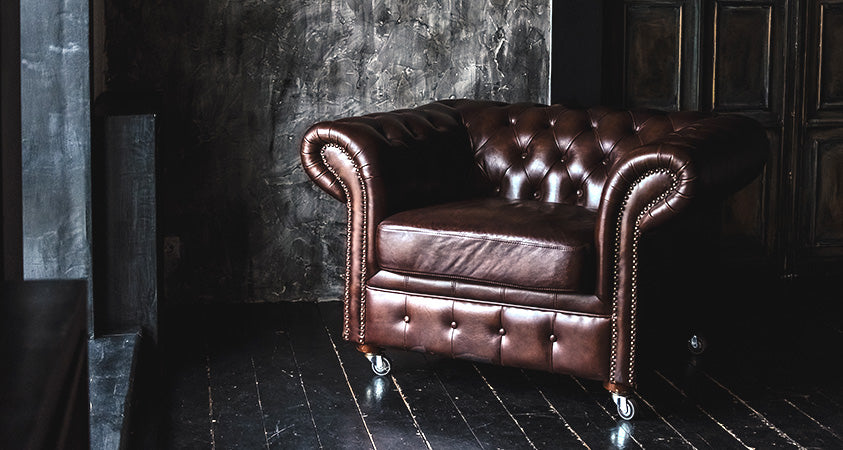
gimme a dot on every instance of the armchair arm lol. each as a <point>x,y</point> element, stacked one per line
<point>705,160</point>
<point>380,164</point>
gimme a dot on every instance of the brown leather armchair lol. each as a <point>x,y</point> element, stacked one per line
<point>509,233</point>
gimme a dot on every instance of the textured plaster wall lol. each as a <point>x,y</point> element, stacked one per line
<point>240,81</point>
<point>56,139</point>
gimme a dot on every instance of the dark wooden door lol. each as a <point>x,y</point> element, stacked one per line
<point>818,164</point>
<point>778,61</point>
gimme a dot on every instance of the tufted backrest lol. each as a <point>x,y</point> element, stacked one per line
<point>555,153</point>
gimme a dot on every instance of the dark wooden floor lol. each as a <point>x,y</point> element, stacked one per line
<point>279,376</point>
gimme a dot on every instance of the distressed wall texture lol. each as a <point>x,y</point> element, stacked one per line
<point>56,139</point>
<point>240,81</point>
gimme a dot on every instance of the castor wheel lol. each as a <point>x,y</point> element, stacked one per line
<point>697,344</point>
<point>625,404</point>
<point>380,365</point>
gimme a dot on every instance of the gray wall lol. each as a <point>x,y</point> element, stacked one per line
<point>56,139</point>
<point>239,82</point>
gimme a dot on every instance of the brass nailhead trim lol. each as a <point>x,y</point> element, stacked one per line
<point>346,310</point>
<point>636,235</point>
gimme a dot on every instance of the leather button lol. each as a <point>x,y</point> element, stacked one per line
<point>552,338</point>
<point>537,194</point>
<point>579,192</point>
<point>497,190</point>
<point>606,162</point>
<point>406,319</point>
<point>501,332</point>
<point>523,155</point>
<point>562,161</point>
<point>453,324</point>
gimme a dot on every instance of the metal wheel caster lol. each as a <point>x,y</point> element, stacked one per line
<point>697,344</point>
<point>626,406</point>
<point>380,364</point>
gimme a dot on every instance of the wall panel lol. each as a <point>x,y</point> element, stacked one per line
<point>742,64</point>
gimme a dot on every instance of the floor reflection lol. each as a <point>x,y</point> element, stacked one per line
<point>622,434</point>
<point>376,389</point>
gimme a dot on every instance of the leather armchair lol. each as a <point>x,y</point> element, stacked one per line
<point>509,233</point>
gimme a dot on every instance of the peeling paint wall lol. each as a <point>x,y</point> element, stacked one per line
<point>240,81</point>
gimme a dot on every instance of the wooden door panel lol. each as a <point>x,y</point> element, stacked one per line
<point>653,56</point>
<point>824,59</point>
<point>660,54</point>
<point>742,64</point>
<point>822,195</point>
<point>830,58</point>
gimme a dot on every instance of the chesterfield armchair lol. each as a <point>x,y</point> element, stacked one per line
<point>511,233</point>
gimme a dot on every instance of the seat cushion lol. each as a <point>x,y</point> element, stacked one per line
<point>517,243</point>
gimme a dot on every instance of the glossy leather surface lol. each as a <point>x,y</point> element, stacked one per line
<point>548,340</point>
<point>629,171</point>
<point>477,240</point>
<point>488,293</point>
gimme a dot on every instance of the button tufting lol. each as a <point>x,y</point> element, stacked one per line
<point>501,332</point>
<point>552,338</point>
<point>524,155</point>
<point>537,194</point>
<point>606,162</point>
<point>453,324</point>
<point>497,189</point>
<point>406,319</point>
<point>579,192</point>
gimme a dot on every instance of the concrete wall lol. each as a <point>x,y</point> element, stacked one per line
<point>56,139</point>
<point>239,82</point>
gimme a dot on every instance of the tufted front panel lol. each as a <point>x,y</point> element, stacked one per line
<point>554,341</point>
<point>554,153</point>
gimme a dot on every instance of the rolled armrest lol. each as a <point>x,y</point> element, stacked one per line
<point>705,160</point>
<point>419,156</point>
<point>383,163</point>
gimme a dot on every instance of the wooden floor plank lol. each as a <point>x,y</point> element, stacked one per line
<point>424,399</point>
<point>487,418</point>
<point>187,423</point>
<point>683,415</point>
<point>388,418</point>
<point>339,423</point>
<point>728,411</point>
<point>279,377</point>
<point>237,417</point>
<point>826,414</point>
<point>648,429</point>
<point>544,426</point>
<point>440,420</point>
<point>286,411</point>
<point>590,420</point>
<point>766,400</point>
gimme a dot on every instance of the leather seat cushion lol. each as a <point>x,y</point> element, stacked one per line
<point>517,243</point>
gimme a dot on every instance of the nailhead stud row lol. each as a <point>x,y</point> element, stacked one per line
<point>634,279</point>
<point>346,310</point>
